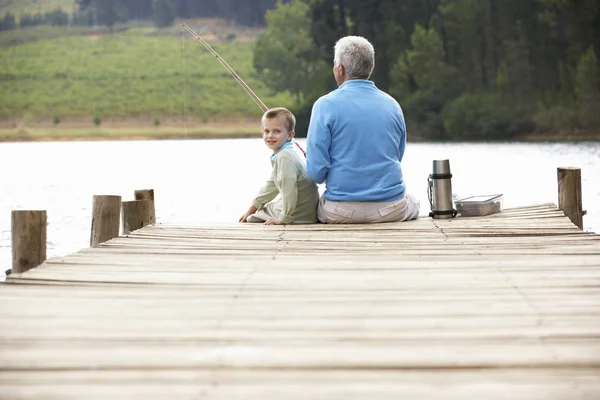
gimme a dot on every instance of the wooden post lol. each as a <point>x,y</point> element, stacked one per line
<point>569,194</point>
<point>147,194</point>
<point>136,215</point>
<point>28,231</point>
<point>106,212</point>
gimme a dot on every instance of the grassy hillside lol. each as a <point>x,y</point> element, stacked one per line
<point>131,73</point>
<point>18,7</point>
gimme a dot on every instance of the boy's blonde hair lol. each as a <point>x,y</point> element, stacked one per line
<point>288,117</point>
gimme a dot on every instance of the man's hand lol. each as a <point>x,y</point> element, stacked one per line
<point>272,221</point>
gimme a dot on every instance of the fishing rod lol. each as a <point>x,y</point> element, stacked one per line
<point>253,95</point>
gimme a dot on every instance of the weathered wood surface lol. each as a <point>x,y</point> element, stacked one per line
<point>28,239</point>
<point>500,307</point>
<point>106,217</point>
<point>147,194</point>
<point>569,194</point>
<point>137,214</point>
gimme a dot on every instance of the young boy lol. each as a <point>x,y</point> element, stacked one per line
<point>299,195</point>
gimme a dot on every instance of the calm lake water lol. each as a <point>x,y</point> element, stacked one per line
<point>198,181</point>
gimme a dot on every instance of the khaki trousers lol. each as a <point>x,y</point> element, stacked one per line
<point>363,212</point>
<point>271,210</point>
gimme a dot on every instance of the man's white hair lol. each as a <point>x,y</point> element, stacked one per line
<point>357,56</point>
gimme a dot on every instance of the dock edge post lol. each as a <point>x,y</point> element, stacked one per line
<point>28,237</point>
<point>147,194</point>
<point>569,194</point>
<point>136,215</point>
<point>106,213</point>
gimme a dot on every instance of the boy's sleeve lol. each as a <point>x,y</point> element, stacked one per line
<point>318,142</point>
<point>287,180</point>
<point>266,194</point>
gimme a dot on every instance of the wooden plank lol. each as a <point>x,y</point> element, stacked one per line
<point>502,306</point>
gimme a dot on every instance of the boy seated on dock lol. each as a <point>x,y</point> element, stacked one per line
<point>299,195</point>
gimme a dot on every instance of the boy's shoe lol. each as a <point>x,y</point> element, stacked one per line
<point>253,218</point>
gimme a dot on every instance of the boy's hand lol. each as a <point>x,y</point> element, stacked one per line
<point>272,221</point>
<point>244,217</point>
<point>248,213</point>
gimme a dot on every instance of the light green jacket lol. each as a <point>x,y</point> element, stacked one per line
<point>299,195</point>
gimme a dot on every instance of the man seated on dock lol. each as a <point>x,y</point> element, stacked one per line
<point>356,140</point>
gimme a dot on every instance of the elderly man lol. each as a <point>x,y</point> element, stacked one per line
<point>356,140</point>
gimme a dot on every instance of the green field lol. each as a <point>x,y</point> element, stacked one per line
<point>200,131</point>
<point>140,71</point>
<point>18,7</point>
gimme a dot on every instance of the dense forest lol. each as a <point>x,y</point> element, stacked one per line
<point>467,69</point>
<point>110,12</point>
<point>243,12</point>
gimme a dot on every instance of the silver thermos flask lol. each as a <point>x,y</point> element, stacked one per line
<point>440,190</point>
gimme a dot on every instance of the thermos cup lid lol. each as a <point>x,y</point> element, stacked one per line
<point>441,166</point>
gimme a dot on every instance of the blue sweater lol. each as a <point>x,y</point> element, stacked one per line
<point>356,140</point>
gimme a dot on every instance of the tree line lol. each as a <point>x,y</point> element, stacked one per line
<point>243,12</point>
<point>54,18</point>
<point>163,12</point>
<point>465,69</point>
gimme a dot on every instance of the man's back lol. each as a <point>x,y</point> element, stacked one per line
<point>356,140</point>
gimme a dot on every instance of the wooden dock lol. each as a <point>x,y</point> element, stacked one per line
<point>499,307</point>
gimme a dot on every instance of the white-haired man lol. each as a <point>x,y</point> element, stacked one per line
<point>356,141</point>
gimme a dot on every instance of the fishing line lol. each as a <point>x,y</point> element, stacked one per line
<point>249,91</point>
<point>184,86</point>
